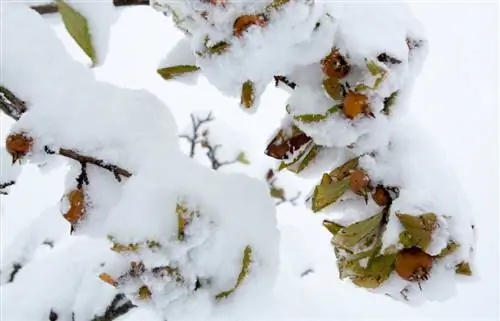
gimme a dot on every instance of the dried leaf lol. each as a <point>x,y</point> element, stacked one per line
<point>144,293</point>
<point>245,265</point>
<point>353,234</point>
<point>283,144</point>
<point>418,229</point>
<point>463,268</point>
<point>78,28</point>
<point>327,194</point>
<point>108,279</point>
<point>175,71</point>
<point>247,94</point>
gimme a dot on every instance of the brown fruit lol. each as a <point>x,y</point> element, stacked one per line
<point>413,264</point>
<point>244,22</point>
<point>77,206</point>
<point>358,181</point>
<point>381,196</point>
<point>18,145</point>
<point>334,65</point>
<point>355,104</point>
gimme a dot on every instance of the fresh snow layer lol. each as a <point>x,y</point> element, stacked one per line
<point>68,108</point>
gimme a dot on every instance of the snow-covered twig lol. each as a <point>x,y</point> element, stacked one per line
<point>117,171</point>
<point>115,309</point>
<point>285,80</point>
<point>10,104</point>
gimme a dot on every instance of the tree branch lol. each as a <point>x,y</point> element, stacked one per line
<point>4,185</point>
<point>10,104</point>
<point>285,80</point>
<point>196,124</point>
<point>114,310</point>
<point>117,171</point>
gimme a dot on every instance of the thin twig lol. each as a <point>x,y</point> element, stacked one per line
<point>16,267</point>
<point>5,185</point>
<point>285,80</point>
<point>114,310</point>
<point>10,104</point>
<point>196,123</point>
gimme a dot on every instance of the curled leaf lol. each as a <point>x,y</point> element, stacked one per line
<point>286,142</point>
<point>305,160</point>
<point>245,265</point>
<point>176,71</point>
<point>277,192</point>
<point>374,68</point>
<point>78,28</point>
<point>108,279</point>
<point>247,94</point>
<point>144,293</point>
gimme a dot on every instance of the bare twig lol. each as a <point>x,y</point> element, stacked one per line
<point>212,155</point>
<point>16,267</point>
<point>285,80</point>
<point>115,309</point>
<point>10,104</point>
<point>196,124</point>
<point>5,185</point>
<point>121,3</point>
<point>292,200</point>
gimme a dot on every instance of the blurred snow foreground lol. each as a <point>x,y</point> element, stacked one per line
<point>186,240</point>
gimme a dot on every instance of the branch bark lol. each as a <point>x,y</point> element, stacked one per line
<point>10,104</point>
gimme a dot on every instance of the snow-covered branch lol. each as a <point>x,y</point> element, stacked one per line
<point>10,104</point>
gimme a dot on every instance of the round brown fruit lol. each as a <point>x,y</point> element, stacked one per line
<point>354,104</point>
<point>18,145</point>
<point>413,264</point>
<point>335,65</point>
<point>77,206</point>
<point>244,22</point>
<point>381,196</point>
<point>358,181</point>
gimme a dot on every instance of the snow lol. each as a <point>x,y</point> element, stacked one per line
<point>95,119</point>
<point>320,295</point>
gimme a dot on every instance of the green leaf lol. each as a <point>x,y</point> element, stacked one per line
<point>378,81</point>
<point>306,160</point>
<point>219,48</point>
<point>361,87</point>
<point>247,94</point>
<point>245,265</point>
<point>418,229</point>
<point>78,28</point>
<point>309,118</point>
<point>181,212</point>
<point>277,192</point>
<point>377,272</point>
<point>326,194</point>
<point>353,234</point>
<point>242,158</point>
<point>332,227</point>
<point>343,170</point>
<point>374,68</point>
<point>389,102</point>
<point>333,88</point>
<point>450,248</point>
<point>463,268</point>
<point>175,71</point>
